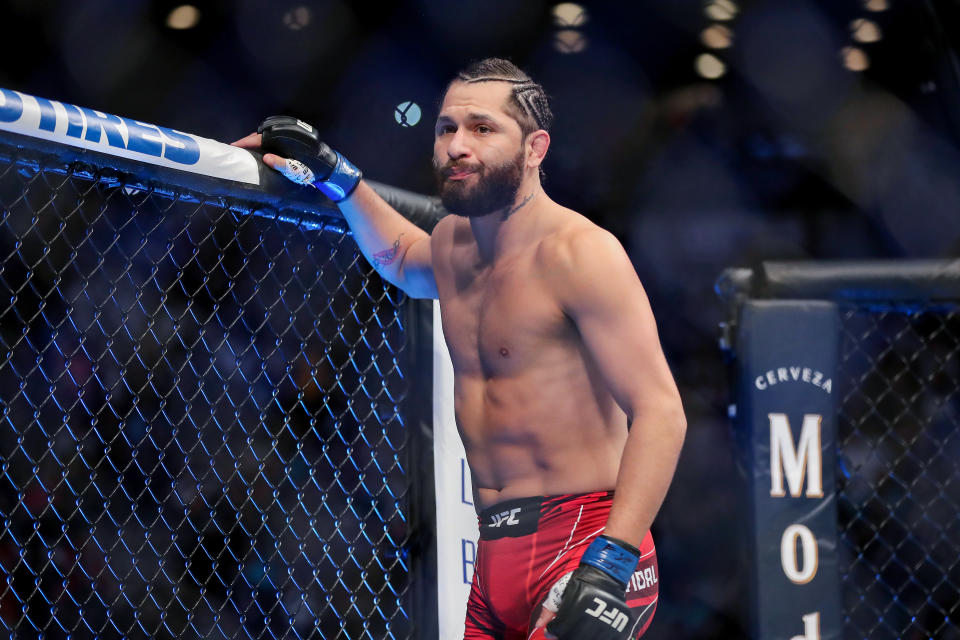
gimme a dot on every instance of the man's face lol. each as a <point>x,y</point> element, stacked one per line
<point>478,155</point>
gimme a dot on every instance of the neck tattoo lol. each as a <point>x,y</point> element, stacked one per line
<point>519,206</point>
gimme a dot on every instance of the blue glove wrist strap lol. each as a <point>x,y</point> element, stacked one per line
<point>342,180</point>
<point>614,557</point>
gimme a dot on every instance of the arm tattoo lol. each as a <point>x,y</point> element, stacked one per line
<point>387,256</point>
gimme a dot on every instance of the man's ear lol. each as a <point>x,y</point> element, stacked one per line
<point>537,144</point>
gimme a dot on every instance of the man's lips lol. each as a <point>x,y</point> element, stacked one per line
<point>459,173</point>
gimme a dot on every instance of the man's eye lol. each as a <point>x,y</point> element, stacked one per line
<point>483,129</point>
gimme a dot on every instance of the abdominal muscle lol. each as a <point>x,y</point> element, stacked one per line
<point>537,435</point>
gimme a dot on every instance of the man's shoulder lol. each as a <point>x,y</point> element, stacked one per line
<point>574,239</point>
<point>449,227</point>
<point>443,226</point>
<point>582,260</point>
<point>450,230</point>
<point>450,235</point>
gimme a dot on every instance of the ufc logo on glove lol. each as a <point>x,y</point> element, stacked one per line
<point>613,617</point>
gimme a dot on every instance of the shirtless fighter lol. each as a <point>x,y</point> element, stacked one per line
<point>569,415</point>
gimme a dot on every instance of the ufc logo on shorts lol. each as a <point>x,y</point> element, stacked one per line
<point>613,617</point>
<point>505,517</point>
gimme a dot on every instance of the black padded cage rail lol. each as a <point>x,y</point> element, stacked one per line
<point>211,422</point>
<point>848,373</point>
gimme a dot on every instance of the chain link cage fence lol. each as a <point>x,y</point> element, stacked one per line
<point>897,438</point>
<point>898,471</point>
<point>201,431</point>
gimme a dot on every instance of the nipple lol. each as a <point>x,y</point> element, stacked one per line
<point>503,352</point>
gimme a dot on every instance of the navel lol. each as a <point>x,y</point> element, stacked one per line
<point>504,352</point>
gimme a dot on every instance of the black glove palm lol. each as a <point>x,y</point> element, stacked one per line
<point>593,607</point>
<point>292,138</point>
<point>594,603</point>
<point>296,140</point>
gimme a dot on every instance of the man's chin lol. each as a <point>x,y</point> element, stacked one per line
<point>465,208</point>
<point>483,196</point>
<point>457,201</point>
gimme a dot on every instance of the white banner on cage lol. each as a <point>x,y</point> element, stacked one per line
<point>123,137</point>
<point>457,530</point>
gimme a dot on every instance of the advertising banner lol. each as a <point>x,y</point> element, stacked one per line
<point>786,373</point>
<point>123,137</point>
<point>457,530</point>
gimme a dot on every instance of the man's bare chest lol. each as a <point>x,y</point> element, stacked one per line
<point>499,321</point>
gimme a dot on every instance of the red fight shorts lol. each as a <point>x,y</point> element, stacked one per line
<point>525,546</point>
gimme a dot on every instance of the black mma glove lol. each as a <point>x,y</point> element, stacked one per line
<point>309,161</point>
<point>593,605</point>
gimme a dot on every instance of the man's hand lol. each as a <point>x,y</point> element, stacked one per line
<point>398,249</point>
<point>295,150</point>
<point>593,603</point>
<point>252,143</point>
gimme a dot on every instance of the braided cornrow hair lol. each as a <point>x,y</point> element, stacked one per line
<point>528,102</point>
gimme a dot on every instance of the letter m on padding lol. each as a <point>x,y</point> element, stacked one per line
<point>795,462</point>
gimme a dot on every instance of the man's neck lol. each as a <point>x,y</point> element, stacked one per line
<point>497,233</point>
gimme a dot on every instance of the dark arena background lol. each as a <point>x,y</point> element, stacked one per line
<point>212,408</point>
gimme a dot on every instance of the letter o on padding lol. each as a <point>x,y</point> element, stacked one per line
<point>788,554</point>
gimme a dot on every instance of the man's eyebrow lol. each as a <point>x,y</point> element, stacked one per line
<point>481,117</point>
<point>471,117</point>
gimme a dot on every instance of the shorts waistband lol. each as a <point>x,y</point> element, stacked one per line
<point>521,516</point>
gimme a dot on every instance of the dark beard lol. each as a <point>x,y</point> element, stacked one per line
<point>496,188</point>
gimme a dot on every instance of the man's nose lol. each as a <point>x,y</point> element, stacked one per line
<point>458,147</point>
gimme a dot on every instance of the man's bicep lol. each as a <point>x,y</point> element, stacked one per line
<point>615,321</point>
<point>622,338</point>
<point>417,269</point>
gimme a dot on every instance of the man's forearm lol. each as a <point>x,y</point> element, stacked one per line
<point>294,149</point>
<point>381,232</point>
<point>646,470</point>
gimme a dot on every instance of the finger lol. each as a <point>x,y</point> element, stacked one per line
<point>291,169</point>
<point>251,141</point>
<point>545,616</point>
<point>275,162</point>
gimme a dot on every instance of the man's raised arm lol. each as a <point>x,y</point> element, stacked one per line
<point>394,246</point>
